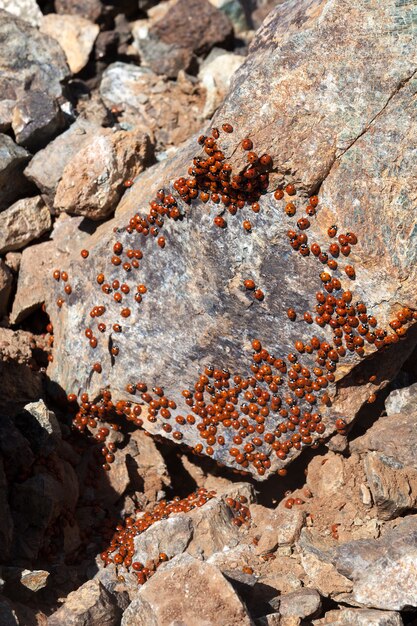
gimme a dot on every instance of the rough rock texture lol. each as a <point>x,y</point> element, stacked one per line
<point>193,594</point>
<point>305,603</point>
<point>27,10</point>
<point>27,58</point>
<point>23,222</point>
<point>47,166</point>
<point>383,570</point>
<point>6,281</point>
<point>76,36</point>
<point>360,617</point>
<point>393,486</point>
<point>90,604</point>
<point>12,161</point>
<point>215,76</point>
<point>92,181</point>
<point>89,9</point>
<point>36,119</point>
<point>171,111</point>
<point>401,400</point>
<point>170,536</point>
<point>336,132</point>
<point>45,257</point>
<point>171,42</point>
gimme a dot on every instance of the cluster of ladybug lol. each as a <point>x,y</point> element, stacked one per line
<point>275,408</point>
<point>121,550</point>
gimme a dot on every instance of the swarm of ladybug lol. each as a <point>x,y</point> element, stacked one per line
<point>121,550</point>
<point>275,407</point>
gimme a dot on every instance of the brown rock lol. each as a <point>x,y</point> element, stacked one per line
<point>359,617</point>
<point>23,222</point>
<point>199,35</point>
<point>171,111</point>
<point>92,181</point>
<point>76,36</point>
<point>6,281</point>
<point>334,136</point>
<point>215,76</point>
<point>325,475</point>
<point>47,166</point>
<point>193,593</point>
<point>89,9</point>
<point>32,289</point>
<point>90,604</point>
<point>171,42</point>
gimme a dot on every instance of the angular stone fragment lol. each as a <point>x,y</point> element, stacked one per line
<point>90,604</point>
<point>32,290</point>
<point>383,570</point>
<point>401,400</point>
<point>27,58</point>
<point>88,9</point>
<point>393,486</point>
<point>76,36</point>
<point>27,10</point>
<point>170,536</point>
<point>171,111</point>
<point>305,603</point>
<point>40,426</point>
<point>392,436</point>
<point>36,119</point>
<point>47,166</point>
<point>359,617</point>
<point>193,593</point>
<point>12,161</point>
<point>171,42</point>
<point>34,580</point>
<point>24,221</point>
<point>6,281</point>
<point>92,181</point>
<point>216,76</point>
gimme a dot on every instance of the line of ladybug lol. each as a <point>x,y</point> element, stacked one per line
<point>274,409</point>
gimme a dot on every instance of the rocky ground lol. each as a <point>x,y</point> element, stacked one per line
<point>100,106</point>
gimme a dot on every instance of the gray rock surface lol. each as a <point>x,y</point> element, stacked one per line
<point>335,130</point>
<point>383,570</point>
<point>47,166</point>
<point>36,119</point>
<point>13,158</point>
<point>23,222</point>
<point>27,10</point>
<point>305,603</point>
<point>402,400</point>
<point>393,486</point>
<point>170,536</point>
<point>90,604</point>
<point>27,57</point>
<point>192,593</point>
